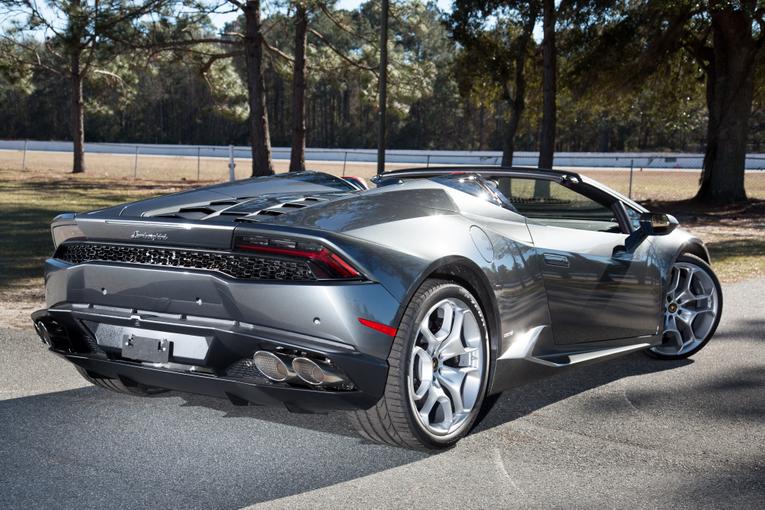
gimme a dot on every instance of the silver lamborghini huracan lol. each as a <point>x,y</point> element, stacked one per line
<point>405,305</point>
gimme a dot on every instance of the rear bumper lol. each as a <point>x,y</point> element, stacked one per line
<point>91,305</point>
<point>221,373</point>
<point>68,333</point>
<point>293,398</point>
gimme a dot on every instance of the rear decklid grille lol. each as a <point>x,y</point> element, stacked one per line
<point>240,266</point>
<point>250,207</point>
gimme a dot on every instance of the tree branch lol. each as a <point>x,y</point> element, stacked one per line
<point>238,4</point>
<point>277,51</point>
<point>339,24</point>
<point>220,56</point>
<point>340,54</point>
<point>35,12</point>
<point>110,74</point>
<point>697,46</point>
<point>35,62</point>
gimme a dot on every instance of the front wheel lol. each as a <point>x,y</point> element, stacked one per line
<point>438,372</point>
<point>692,309</point>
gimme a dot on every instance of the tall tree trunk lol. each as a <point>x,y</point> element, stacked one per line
<point>383,87</point>
<point>77,117</point>
<point>277,118</point>
<point>260,138</point>
<point>730,89</point>
<point>518,100</point>
<point>77,125</point>
<point>482,127</point>
<point>297,154</point>
<point>547,139</point>
<point>604,134</point>
<point>549,94</point>
<point>517,106</point>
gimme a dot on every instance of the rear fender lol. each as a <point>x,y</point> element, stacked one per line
<point>464,272</point>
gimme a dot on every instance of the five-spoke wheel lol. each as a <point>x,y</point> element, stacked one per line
<point>692,307</point>
<point>446,367</point>
<point>438,371</point>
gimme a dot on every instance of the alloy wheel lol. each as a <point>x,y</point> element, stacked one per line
<point>691,307</point>
<point>447,366</point>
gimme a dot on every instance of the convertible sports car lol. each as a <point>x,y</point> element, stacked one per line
<point>406,304</point>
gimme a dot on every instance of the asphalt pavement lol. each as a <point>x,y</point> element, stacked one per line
<point>629,433</point>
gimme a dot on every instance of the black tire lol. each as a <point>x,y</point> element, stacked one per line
<point>693,259</point>
<point>118,386</point>
<point>391,420</point>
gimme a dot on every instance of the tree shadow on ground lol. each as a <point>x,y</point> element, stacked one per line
<point>730,248</point>
<point>91,184</point>
<point>696,212</point>
<point>25,241</point>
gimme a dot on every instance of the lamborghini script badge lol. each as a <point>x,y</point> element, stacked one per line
<point>149,236</point>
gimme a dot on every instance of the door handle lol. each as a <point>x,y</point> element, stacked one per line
<point>552,259</point>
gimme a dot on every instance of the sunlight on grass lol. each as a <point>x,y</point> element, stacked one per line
<point>738,258</point>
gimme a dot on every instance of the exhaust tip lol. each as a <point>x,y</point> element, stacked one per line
<point>314,374</point>
<point>43,333</point>
<point>271,366</point>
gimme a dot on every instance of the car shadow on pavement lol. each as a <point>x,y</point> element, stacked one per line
<point>91,448</point>
<point>743,329</point>
<point>518,402</point>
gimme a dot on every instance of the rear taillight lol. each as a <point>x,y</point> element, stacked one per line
<point>325,263</point>
<point>64,228</point>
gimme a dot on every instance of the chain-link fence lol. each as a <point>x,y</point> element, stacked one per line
<point>641,176</point>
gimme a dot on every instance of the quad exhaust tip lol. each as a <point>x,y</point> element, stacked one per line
<point>314,374</point>
<point>272,366</point>
<point>282,368</point>
<point>43,333</point>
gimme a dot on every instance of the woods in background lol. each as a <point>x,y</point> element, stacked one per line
<point>573,75</point>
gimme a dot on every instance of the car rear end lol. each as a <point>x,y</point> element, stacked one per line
<point>252,312</point>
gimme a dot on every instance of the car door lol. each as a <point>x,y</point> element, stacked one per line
<point>596,289</point>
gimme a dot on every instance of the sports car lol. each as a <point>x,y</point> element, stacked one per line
<point>405,305</point>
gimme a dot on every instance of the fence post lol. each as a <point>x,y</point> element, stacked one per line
<point>231,164</point>
<point>24,157</point>
<point>135,164</point>
<point>632,167</point>
<point>199,152</point>
<point>345,160</point>
<point>427,162</point>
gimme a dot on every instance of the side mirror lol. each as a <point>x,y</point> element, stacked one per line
<point>657,224</point>
<point>651,224</point>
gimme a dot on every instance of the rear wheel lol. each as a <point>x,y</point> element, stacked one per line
<point>692,309</point>
<point>118,386</point>
<point>438,372</point>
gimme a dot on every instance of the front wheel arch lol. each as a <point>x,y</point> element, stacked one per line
<point>696,249</point>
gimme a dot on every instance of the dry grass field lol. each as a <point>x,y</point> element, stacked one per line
<point>166,168</point>
<point>647,184</point>
<point>30,199</point>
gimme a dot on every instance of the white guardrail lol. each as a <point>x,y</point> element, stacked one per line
<point>656,160</point>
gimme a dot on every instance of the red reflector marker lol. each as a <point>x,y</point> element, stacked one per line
<point>382,328</point>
